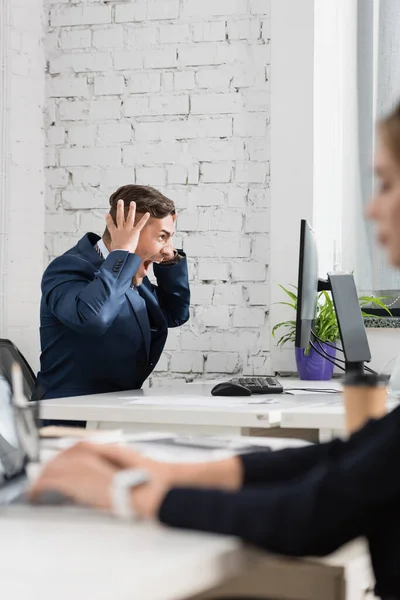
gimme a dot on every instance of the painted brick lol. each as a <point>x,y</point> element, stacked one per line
<point>61,222</point>
<point>110,178</point>
<point>258,151</point>
<point>57,178</point>
<point>173,33</point>
<point>258,7</point>
<point>75,38</point>
<point>115,132</point>
<point>184,80</point>
<point>75,110</point>
<point>67,86</point>
<point>228,294</point>
<point>153,176</point>
<point>167,81</point>
<point>237,197</point>
<point>82,200</point>
<point>214,316</point>
<point>250,125</point>
<point>204,104</point>
<point>100,110</point>
<point>55,136</point>
<point>194,127</point>
<point>79,15</point>
<point>215,172</point>
<point>187,362</point>
<point>80,62</point>
<point>173,339</point>
<point>238,340</point>
<point>127,60</point>
<point>177,174</point>
<point>108,38</point>
<point>260,198</point>
<point>201,246</point>
<point>244,29</point>
<point>249,172</point>
<point>258,294</point>
<point>162,10</point>
<point>104,157</point>
<point>131,12</point>
<point>260,247</point>
<point>258,365</point>
<point>110,85</point>
<point>244,316</point>
<point>215,78</point>
<point>256,100</point>
<point>163,364</point>
<point>212,271</point>
<point>248,271</point>
<point>139,36</point>
<point>160,58</point>
<point>143,82</point>
<point>222,362</point>
<point>209,31</point>
<point>193,340</point>
<point>258,222</point>
<point>209,8</point>
<point>91,221</point>
<point>81,135</point>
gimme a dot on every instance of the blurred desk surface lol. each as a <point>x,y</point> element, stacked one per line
<point>188,408</point>
<point>74,554</point>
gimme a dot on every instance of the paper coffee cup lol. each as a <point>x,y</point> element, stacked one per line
<point>365,397</point>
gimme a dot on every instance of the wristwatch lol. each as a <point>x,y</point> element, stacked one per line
<point>121,486</point>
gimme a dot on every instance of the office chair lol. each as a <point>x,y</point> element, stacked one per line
<point>9,354</point>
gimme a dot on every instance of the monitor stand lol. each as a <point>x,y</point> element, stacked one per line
<point>350,321</point>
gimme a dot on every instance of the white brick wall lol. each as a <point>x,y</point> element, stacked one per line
<point>172,93</point>
<point>22,172</point>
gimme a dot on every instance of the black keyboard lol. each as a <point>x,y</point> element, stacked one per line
<point>260,385</point>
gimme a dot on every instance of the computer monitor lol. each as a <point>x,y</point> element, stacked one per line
<point>345,298</point>
<point>307,289</point>
<point>350,320</point>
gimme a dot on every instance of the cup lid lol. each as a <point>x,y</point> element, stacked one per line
<point>365,379</point>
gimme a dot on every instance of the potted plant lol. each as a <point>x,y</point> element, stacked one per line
<point>310,364</point>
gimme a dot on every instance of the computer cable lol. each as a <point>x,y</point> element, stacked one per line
<point>327,357</point>
<point>319,342</point>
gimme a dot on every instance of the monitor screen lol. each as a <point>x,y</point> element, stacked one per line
<point>12,455</point>
<point>307,285</point>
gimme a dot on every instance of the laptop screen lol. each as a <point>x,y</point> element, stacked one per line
<point>12,455</point>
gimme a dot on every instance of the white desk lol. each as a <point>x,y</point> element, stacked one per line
<point>188,408</point>
<point>67,554</point>
<point>329,419</point>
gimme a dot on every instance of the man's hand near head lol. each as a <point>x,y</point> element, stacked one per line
<point>125,234</point>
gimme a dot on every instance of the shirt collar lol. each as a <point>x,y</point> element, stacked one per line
<point>103,248</point>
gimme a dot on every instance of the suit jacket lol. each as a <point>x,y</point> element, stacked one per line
<point>97,334</point>
<point>311,500</point>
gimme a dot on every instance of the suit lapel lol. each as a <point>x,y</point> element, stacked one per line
<point>156,317</point>
<point>140,310</point>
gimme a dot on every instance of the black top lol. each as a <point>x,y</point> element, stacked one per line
<point>310,501</point>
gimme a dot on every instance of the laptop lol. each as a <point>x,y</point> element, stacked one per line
<point>13,455</point>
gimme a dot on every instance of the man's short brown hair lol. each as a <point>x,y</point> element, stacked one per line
<point>147,200</point>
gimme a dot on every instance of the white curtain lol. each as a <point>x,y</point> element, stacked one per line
<point>378,70</point>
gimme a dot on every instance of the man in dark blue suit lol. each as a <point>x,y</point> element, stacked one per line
<point>103,324</point>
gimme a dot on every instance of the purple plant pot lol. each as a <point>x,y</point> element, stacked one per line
<point>313,366</point>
